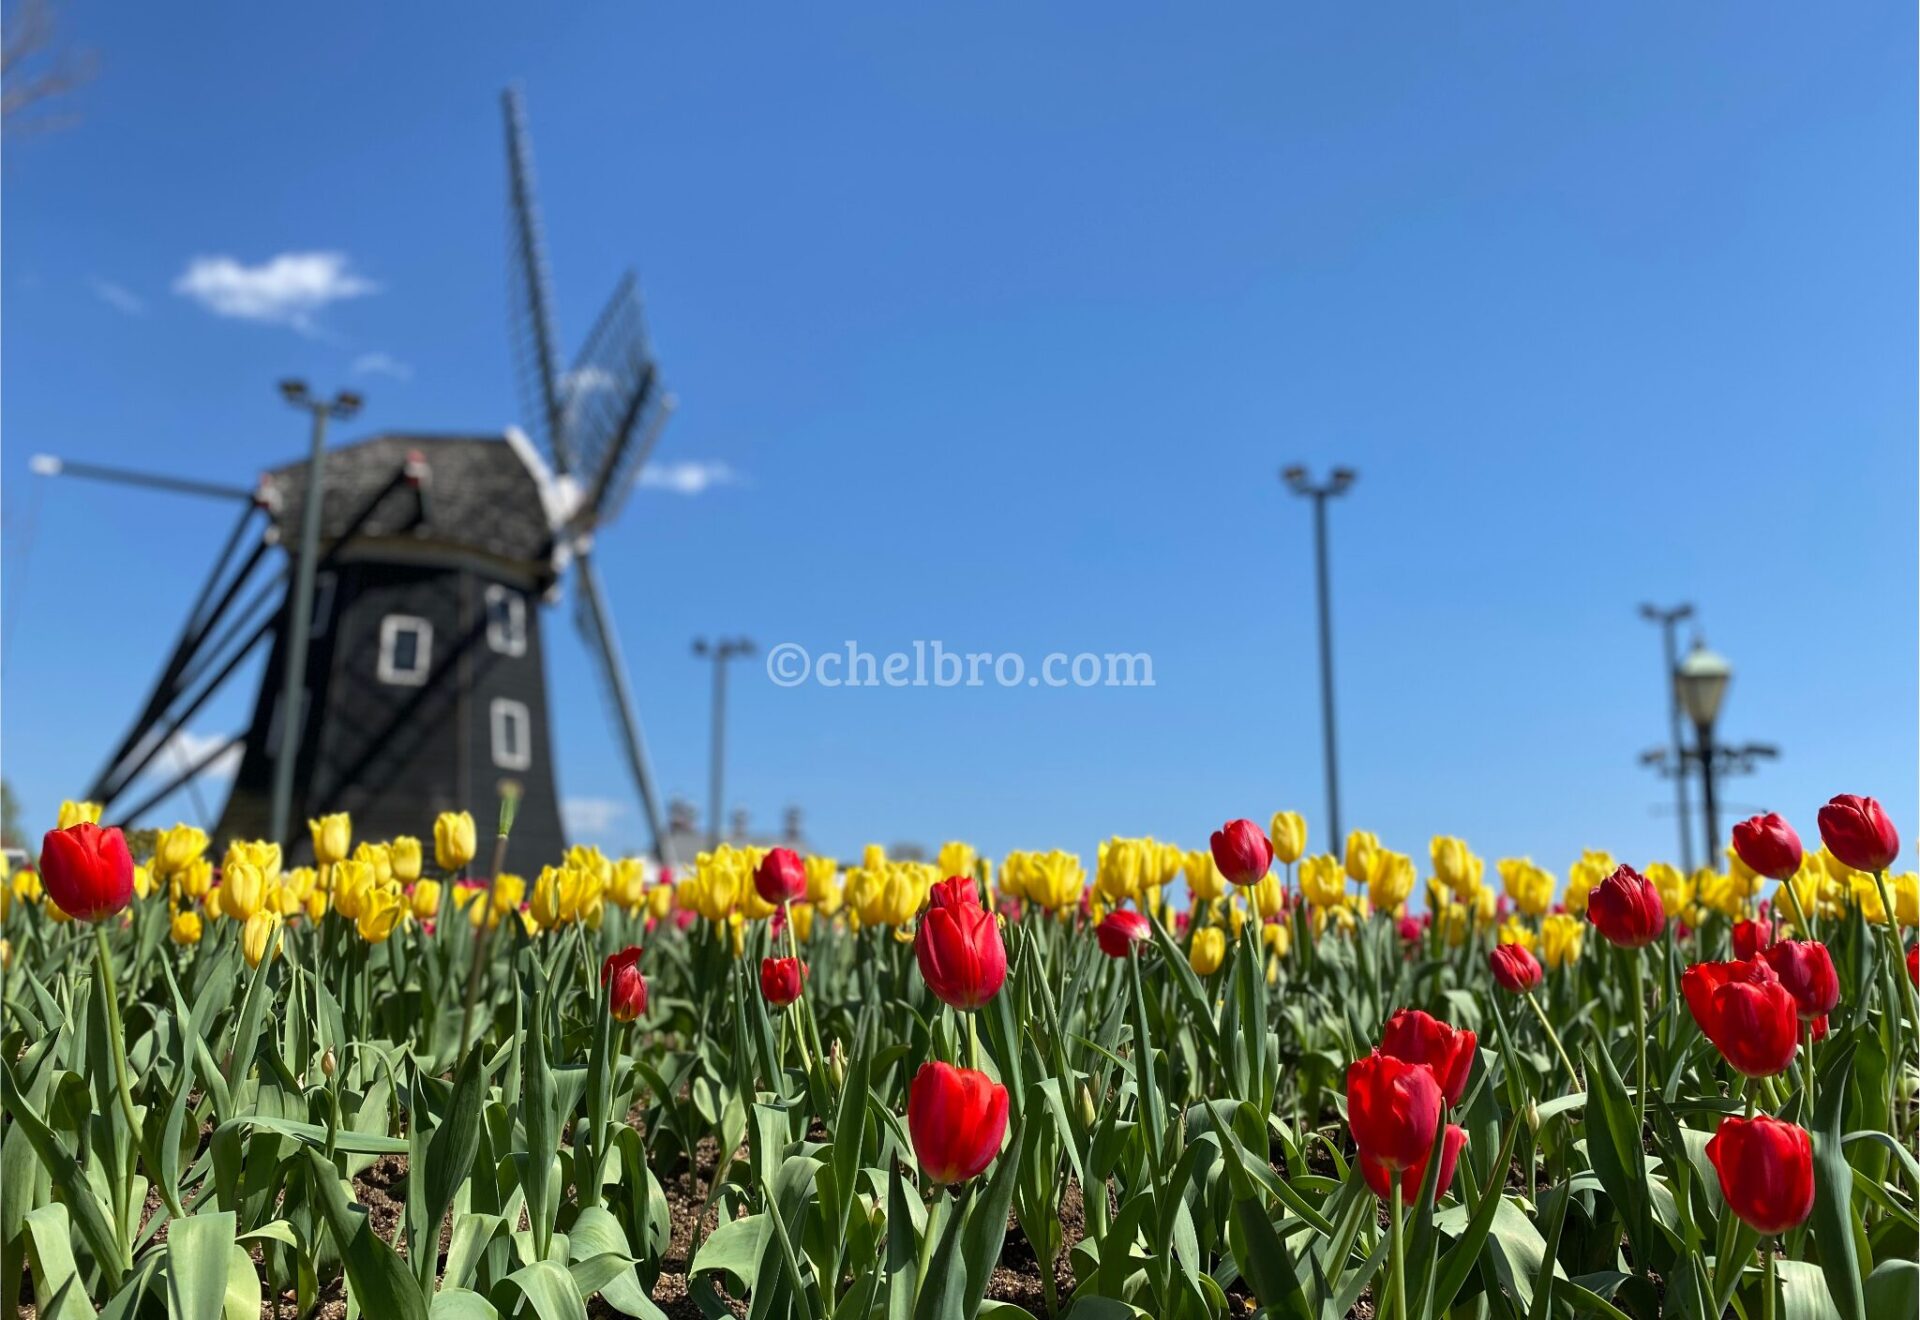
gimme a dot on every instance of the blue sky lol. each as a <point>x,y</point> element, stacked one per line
<point>999,320</point>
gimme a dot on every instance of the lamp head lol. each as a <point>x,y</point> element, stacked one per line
<point>1702,680</point>
<point>294,392</point>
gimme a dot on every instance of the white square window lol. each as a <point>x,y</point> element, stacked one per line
<point>512,734</point>
<point>406,650</point>
<point>506,620</point>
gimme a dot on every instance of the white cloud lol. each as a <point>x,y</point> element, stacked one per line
<point>118,296</point>
<point>382,364</point>
<point>589,816</point>
<point>687,477</point>
<point>186,748</point>
<point>286,290</point>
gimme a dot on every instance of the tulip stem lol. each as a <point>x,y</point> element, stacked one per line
<point>1395,1250</point>
<point>1640,1039</point>
<point>124,1224</point>
<point>1573,1077</point>
<point>1909,996</point>
<point>1766,1282</point>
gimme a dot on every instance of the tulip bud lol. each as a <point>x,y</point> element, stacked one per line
<point>1242,852</point>
<point>404,853</point>
<point>958,946</point>
<point>1288,835</point>
<point>87,870</point>
<point>1120,931</point>
<point>329,1065</point>
<point>1768,846</point>
<point>1766,1171</point>
<point>781,877</point>
<point>781,980</point>
<point>332,836</point>
<point>454,843</point>
<point>957,1119</point>
<point>1626,909</point>
<point>626,988</point>
<point>1859,832</point>
<point>1515,969</point>
<point>837,1064</point>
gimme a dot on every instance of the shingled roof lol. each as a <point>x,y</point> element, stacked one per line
<point>487,494</point>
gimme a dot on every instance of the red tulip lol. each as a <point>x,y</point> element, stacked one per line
<point>781,877</point>
<point>1805,968</point>
<point>1858,831</point>
<point>87,870</point>
<point>1515,969</point>
<point>1380,1177</point>
<point>958,946</point>
<point>1751,938</point>
<point>1411,927</point>
<point>626,987</point>
<point>1766,1170</point>
<point>957,1118</point>
<point>1421,1038</point>
<point>1120,931</point>
<point>1393,1108</point>
<point>1242,851</point>
<point>1745,1011</point>
<point>781,980</point>
<point>1768,845</point>
<point>1625,908</point>
<point>1913,964</point>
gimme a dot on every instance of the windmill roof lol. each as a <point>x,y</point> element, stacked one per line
<point>485,494</point>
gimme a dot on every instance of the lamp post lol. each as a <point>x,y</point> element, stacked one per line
<point>1700,682</point>
<point>292,708</point>
<point>1668,619</point>
<point>721,651</point>
<point>1337,482</point>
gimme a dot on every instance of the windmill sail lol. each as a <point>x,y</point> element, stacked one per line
<point>613,403</point>
<point>531,312</point>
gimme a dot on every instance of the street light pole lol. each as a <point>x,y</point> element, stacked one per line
<point>1337,482</point>
<point>1668,619</point>
<point>1701,682</point>
<point>292,709</point>
<point>721,651</point>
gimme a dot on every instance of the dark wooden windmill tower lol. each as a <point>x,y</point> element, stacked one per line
<point>425,678</point>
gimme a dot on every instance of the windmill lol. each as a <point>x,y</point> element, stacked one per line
<point>425,675</point>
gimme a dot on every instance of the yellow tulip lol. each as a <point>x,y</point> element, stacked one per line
<point>509,891</point>
<point>194,879</point>
<point>1584,876</point>
<point>1288,834</point>
<point>424,899</point>
<point>184,927</point>
<point>55,913</point>
<point>1675,889</point>
<point>873,857</point>
<point>1278,937</point>
<point>1389,879</point>
<point>956,858</point>
<point>1515,931</point>
<point>406,857</point>
<point>1322,881</point>
<point>1361,846</point>
<point>353,881</point>
<point>243,890</point>
<point>1122,868</point>
<point>260,939</point>
<point>332,836</point>
<point>381,914</point>
<point>1721,892</point>
<point>143,883</point>
<point>1204,880</point>
<point>660,902</point>
<point>628,885</point>
<point>262,856</point>
<point>1905,888</point>
<point>454,843</point>
<point>25,886</point>
<point>801,914</point>
<point>1267,896</point>
<point>76,813</point>
<point>548,905</point>
<point>1529,886</point>
<point>377,855</point>
<point>823,882</point>
<point>1453,862</point>
<point>1561,935</point>
<point>1208,950</point>
<point>176,849</point>
<point>902,896</point>
<point>315,903</point>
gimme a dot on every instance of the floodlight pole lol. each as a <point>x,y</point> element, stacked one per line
<point>1336,484</point>
<point>721,651</point>
<point>1668,619</point>
<point>292,710</point>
